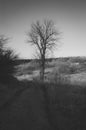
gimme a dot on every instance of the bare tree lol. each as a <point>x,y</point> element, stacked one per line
<point>45,37</point>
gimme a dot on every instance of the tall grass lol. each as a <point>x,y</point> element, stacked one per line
<point>67,106</point>
<point>63,105</point>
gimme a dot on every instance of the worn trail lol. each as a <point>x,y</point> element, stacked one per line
<point>26,112</point>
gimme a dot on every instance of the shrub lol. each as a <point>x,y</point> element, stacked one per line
<point>67,68</point>
<point>7,65</point>
<point>61,78</point>
<point>7,62</point>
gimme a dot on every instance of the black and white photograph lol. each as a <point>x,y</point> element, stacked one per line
<point>42,65</point>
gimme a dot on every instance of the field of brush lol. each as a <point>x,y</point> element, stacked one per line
<point>57,104</point>
<point>64,70</point>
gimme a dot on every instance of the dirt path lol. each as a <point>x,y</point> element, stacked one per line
<point>26,112</point>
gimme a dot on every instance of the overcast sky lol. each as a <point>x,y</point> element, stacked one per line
<point>69,16</point>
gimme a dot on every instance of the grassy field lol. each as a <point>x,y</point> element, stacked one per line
<point>58,104</point>
<point>66,70</point>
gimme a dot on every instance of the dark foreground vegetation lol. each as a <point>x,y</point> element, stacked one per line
<point>7,61</point>
<point>38,106</point>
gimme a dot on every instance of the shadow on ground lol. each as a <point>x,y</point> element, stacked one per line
<point>38,106</point>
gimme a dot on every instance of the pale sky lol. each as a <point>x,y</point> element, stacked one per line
<point>69,16</point>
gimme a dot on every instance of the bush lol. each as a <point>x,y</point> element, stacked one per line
<point>67,68</point>
<point>7,62</point>
<point>7,65</point>
<point>61,79</point>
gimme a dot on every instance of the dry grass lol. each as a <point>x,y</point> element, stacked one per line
<point>57,71</point>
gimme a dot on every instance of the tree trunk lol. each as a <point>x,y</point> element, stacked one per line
<point>42,70</point>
